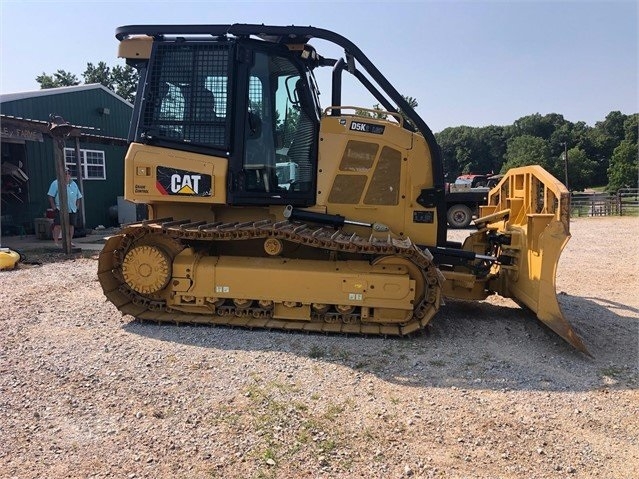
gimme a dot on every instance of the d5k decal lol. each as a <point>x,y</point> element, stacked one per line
<point>171,181</point>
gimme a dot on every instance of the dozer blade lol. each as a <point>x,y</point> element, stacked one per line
<point>531,208</point>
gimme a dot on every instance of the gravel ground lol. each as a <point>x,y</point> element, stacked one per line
<point>489,393</point>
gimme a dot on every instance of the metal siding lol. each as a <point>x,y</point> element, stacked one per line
<point>102,194</point>
<point>40,175</point>
<point>99,195</point>
<point>79,108</point>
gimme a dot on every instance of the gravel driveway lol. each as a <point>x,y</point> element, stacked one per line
<point>489,393</point>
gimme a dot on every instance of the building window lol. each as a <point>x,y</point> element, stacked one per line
<point>92,163</point>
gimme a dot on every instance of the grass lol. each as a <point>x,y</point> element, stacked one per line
<point>368,434</point>
<point>266,474</point>
<point>229,416</point>
<point>333,411</point>
<point>342,354</point>
<point>269,454</point>
<point>612,371</point>
<point>287,428</point>
<point>327,446</point>
<point>303,437</point>
<point>316,352</point>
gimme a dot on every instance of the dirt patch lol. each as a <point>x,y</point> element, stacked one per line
<point>490,392</point>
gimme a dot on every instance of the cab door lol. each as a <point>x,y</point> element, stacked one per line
<point>277,125</point>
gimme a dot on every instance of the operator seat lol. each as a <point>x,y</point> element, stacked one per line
<point>203,128</point>
<point>205,105</point>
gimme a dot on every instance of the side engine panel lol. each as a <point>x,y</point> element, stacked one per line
<point>154,174</point>
<point>373,171</point>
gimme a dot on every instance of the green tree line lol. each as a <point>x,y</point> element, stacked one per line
<point>123,80</point>
<point>603,155</point>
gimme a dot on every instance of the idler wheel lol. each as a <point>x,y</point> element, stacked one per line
<point>146,269</point>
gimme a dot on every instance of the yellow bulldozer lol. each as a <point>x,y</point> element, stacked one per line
<point>267,211</point>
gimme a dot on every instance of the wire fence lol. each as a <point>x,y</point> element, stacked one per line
<point>623,203</point>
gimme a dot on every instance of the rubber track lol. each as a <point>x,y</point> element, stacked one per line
<point>179,233</point>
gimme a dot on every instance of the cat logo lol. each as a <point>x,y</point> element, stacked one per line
<point>185,184</point>
<point>171,181</point>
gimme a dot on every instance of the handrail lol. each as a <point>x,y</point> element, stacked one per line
<point>397,116</point>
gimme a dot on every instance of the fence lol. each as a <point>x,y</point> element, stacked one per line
<point>624,203</point>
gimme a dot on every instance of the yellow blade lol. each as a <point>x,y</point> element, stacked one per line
<point>538,223</point>
<point>538,289</point>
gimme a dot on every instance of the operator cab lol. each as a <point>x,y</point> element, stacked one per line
<point>247,94</point>
<point>261,113</point>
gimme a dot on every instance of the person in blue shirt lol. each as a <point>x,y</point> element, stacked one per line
<point>73,195</point>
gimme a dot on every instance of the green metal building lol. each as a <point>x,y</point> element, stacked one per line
<point>101,123</point>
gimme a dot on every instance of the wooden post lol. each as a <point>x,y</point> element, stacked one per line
<point>78,162</point>
<point>58,150</point>
<point>59,130</point>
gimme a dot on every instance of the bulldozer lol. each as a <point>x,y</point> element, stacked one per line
<point>266,210</point>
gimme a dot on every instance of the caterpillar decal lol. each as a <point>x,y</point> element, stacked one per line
<point>172,181</point>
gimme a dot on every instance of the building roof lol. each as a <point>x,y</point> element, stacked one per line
<point>58,91</point>
<point>86,133</point>
<point>39,122</point>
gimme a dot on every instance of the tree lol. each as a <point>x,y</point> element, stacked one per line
<point>457,149</point>
<point>377,114</point>
<point>285,128</point>
<point>493,149</point>
<point>631,128</point>
<point>623,171</point>
<point>605,137</point>
<point>412,102</point>
<point>581,136</point>
<point>58,79</point>
<point>122,80</point>
<point>580,169</point>
<point>472,150</point>
<point>125,79</point>
<point>100,74</point>
<point>528,150</point>
<point>537,125</point>
<point>613,126</point>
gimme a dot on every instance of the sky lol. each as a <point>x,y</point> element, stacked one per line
<point>474,63</point>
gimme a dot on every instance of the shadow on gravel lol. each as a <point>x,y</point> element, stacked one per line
<point>470,345</point>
